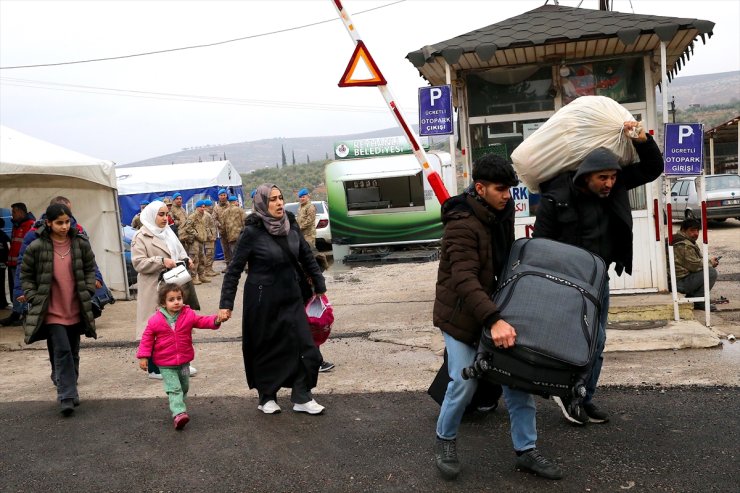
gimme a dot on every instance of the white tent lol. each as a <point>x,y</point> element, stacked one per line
<point>33,172</point>
<point>194,181</point>
<point>177,177</point>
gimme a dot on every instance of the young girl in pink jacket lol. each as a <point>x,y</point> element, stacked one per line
<point>168,339</point>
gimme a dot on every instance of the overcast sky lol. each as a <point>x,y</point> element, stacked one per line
<point>276,85</point>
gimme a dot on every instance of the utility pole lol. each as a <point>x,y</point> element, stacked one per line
<point>672,111</point>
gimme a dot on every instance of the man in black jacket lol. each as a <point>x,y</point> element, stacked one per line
<point>590,208</point>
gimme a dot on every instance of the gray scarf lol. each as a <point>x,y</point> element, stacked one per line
<point>273,225</point>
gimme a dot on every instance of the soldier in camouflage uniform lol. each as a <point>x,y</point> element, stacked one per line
<point>193,234</point>
<point>178,213</point>
<point>210,245</point>
<point>232,221</point>
<point>136,221</point>
<point>306,217</point>
<point>218,210</point>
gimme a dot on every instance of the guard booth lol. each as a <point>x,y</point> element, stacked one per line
<point>509,78</point>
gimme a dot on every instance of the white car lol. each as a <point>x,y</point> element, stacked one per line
<point>323,228</point>
<point>723,197</point>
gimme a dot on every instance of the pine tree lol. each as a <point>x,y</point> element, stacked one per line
<point>282,150</point>
<point>308,159</point>
<point>293,157</point>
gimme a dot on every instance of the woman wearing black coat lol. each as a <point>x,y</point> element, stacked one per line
<point>276,340</point>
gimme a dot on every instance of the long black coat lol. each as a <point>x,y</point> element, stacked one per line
<point>275,333</point>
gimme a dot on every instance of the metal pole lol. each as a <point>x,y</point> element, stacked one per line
<point>435,181</point>
<point>448,80</point>
<point>705,239</point>
<point>711,153</point>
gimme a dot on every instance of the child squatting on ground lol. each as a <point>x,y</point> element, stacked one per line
<point>168,339</point>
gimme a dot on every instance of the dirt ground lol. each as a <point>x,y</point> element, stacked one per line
<point>382,340</point>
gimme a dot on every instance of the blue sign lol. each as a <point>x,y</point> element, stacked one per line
<point>435,111</point>
<point>683,148</point>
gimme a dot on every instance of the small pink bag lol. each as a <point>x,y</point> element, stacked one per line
<point>320,317</point>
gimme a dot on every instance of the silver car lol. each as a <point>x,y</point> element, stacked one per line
<point>723,197</point>
<point>323,228</point>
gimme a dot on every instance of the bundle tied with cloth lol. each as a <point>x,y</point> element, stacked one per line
<point>564,140</point>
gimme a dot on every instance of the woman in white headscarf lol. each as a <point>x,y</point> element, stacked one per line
<point>155,249</point>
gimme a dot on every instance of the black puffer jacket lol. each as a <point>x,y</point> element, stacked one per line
<point>475,245</point>
<point>37,271</point>
<point>579,218</point>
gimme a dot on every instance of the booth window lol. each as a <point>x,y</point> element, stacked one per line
<point>379,195</point>
<point>512,90</point>
<point>622,80</point>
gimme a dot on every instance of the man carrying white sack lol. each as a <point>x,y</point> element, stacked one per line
<point>590,208</point>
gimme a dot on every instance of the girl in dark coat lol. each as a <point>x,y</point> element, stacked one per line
<point>58,280</point>
<point>276,341</point>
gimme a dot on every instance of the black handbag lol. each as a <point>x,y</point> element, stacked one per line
<point>102,297</point>
<point>303,280</point>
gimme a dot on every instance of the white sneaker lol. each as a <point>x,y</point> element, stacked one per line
<point>310,407</point>
<point>269,407</point>
<point>155,376</point>
<point>193,371</point>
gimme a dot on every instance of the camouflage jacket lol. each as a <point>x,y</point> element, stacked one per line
<point>232,220</point>
<point>194,229</point>
<point>211,232</point>
<point>218,212</point>
<point>136,221</point>
<point>178,215</point>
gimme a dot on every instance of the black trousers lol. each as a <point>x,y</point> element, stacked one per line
<point>299,394</point>
<point>65,343</point>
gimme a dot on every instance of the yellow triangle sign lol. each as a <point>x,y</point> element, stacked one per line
<point>348,78</point>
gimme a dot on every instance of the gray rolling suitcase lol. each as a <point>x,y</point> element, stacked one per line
<point>549,292</point>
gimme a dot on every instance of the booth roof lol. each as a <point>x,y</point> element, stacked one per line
<point>21,154</point>
<point>557,34</point>
<point>184,176</point>
<point>383,167</point>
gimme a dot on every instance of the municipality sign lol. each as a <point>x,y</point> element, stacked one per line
<point>435,111</point>
<point>683,148</point>
<point>381,146</point>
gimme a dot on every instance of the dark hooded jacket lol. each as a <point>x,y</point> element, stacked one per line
<point>37,271</point>
<point>573,215</point>
<point>475,246</point>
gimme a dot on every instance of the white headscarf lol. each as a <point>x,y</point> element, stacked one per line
<point>148,218</point>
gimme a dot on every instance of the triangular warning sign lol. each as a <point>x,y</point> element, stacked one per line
<point>348,78</point>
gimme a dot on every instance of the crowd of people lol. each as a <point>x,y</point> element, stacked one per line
<point>52,280</point>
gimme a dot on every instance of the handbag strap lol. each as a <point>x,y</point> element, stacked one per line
<point>293,259</point>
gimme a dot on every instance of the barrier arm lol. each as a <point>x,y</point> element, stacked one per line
<point>435,181</point>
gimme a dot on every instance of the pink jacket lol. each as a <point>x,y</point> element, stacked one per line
<point>170,347</point>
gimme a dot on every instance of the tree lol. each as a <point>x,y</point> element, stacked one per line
<point>282,150</point>
<point>308,159</point>
<point>294,157</point>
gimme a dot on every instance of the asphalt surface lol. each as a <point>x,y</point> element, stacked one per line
<point>680,439</point>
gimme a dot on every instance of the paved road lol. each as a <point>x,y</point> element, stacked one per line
<point>681,439</point>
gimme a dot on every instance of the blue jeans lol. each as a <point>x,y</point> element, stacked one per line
<point>522,410</point>
<point>600,343</point>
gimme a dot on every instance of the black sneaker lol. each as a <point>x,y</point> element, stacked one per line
<point>572,410</point>
<point>594,414</point>
<point>700,306</point>
<point>326,366</point>
<point>532,461</point>
<point>445,455</point>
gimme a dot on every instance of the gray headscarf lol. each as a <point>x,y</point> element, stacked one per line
<point>273,225</point>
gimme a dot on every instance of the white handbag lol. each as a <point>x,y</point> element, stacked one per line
<point>177,275</point>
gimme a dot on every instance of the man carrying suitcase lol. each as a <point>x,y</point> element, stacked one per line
<point>478,233</point>
<point>590,208</point>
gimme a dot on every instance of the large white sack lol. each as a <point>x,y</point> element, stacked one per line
<point>562,142</point>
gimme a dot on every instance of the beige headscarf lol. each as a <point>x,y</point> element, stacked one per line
<point>273,225</point>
